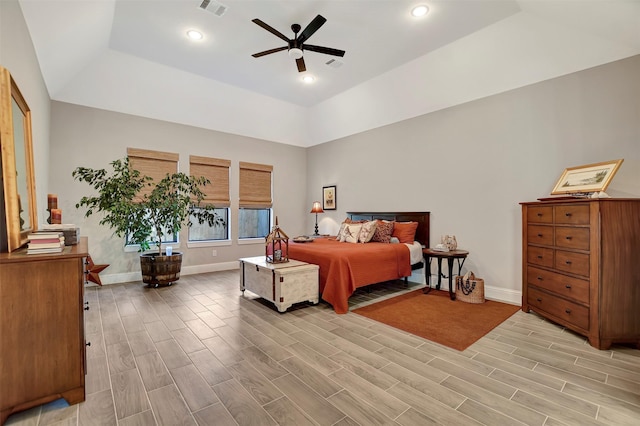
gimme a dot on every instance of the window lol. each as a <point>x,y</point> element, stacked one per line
<point>217,193</point>
<point>254,216</point>
<point>155,164</point>
<point>203,232</point>
<point>254,223</point>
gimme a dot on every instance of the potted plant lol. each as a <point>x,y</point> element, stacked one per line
<point>145,217</point>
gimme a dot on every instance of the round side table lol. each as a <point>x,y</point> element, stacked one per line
<point>459,255</point>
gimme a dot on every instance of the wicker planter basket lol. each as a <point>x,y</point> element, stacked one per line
<point>469,288</point>
<point>160,269</point>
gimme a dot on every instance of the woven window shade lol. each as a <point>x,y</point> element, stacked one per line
<point>255,186</point>
<point>155,164</point>
<point>217,171</point>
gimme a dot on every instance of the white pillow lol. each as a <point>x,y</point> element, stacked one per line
<point>367,231</point>
<point>341,231</point>
<point>351,232</point>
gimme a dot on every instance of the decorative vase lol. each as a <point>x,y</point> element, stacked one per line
<point>449,242</point>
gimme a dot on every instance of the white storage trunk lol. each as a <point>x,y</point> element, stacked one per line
<point>281,283</point>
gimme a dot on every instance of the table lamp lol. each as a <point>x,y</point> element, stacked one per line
<point>317,208</point>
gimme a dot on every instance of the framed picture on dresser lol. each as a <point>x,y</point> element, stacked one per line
<point>588,178</point>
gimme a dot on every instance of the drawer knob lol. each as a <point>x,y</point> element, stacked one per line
<point>567,214</point>
<point>539,256</point>
<point>567,286</point>
<point>540,235</point>
<point>569,237</point>
<point>539,214</point>
<point>568,311</point>
<point>539,278</point>
<point>568,262</point>
<point>539,300</point>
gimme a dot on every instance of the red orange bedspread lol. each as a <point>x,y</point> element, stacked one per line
<point>347,266</point>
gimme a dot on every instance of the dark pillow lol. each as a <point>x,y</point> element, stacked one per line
<point>383,232</point>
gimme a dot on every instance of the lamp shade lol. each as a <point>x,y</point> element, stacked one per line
<point>317,207</point>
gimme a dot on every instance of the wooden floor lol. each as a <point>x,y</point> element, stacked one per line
<point>200,353</point>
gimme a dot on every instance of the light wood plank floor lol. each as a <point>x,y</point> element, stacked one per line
<point>199,352</point>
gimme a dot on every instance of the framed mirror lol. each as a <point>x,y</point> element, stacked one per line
<point>18,182</point>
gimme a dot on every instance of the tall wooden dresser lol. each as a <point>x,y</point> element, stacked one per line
<point>580,266</point>
<point>42,346</point>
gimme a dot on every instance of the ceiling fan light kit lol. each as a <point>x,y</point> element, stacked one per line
<point>295,53</point>
<point>296,46</point>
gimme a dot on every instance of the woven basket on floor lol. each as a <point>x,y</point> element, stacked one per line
<point>469,288</point>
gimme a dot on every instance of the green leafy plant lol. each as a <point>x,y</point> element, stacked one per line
<point>145,217</point>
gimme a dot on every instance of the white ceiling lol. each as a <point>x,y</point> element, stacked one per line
<point>133,56</point>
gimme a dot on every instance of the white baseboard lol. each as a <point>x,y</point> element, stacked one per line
<point>512,297</point>
<point>127,277</point>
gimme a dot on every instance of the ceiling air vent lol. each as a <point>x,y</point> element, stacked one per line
<point>334,63</point>
<point>214,7</point>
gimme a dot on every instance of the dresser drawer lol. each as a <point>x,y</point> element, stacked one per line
<point>571,237</point>
<point>540,234</point>
<point>572,288</point>
<point>540,214</point>
<point>563,309</point>
<point>540,256</point>
<point>574,263</point>
<point>573,215</point>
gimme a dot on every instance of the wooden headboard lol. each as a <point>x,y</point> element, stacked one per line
<point>422,233</point>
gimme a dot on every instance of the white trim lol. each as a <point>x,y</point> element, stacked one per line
<point>244,241</point>
<point>128,277</point>
<point>512,297</point>
<point>209,243</point>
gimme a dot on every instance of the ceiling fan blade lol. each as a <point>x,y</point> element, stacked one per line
<point>301,66</point>
<point>268,52</point>
<point>270,29</point>
<point>313,26</point>
<point>325,50</point>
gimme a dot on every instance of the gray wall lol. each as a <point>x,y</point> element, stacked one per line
<point>18,56</point>
<point>88,137</point>
<point>471,165</point>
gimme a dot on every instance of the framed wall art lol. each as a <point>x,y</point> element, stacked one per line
<point>329,200</point>
<point>588,178</point>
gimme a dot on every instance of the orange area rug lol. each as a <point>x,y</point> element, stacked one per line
<point>436,317</point>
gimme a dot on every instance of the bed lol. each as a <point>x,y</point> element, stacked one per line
<point>344,267</point>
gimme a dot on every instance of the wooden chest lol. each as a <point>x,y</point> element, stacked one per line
<point>579,269</point>
<point>283,284</point>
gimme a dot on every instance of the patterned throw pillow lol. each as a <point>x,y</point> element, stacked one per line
<point>383,231</point>
<point>351,233</point>
<point>341,231</point>
<point>347,221</point>
<point>367,231</point>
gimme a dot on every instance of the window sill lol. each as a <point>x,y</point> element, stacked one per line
<point>217,243</point>
<point>248,241</point>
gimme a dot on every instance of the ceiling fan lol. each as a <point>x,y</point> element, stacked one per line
<point>297,45</point>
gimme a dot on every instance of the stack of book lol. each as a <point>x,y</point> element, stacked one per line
<point>71,232</point>
<point>45,242</point>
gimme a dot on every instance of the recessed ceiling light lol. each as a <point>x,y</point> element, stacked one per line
<point>194,35</point>
<point>419,11</point>
<point>308,79</point>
